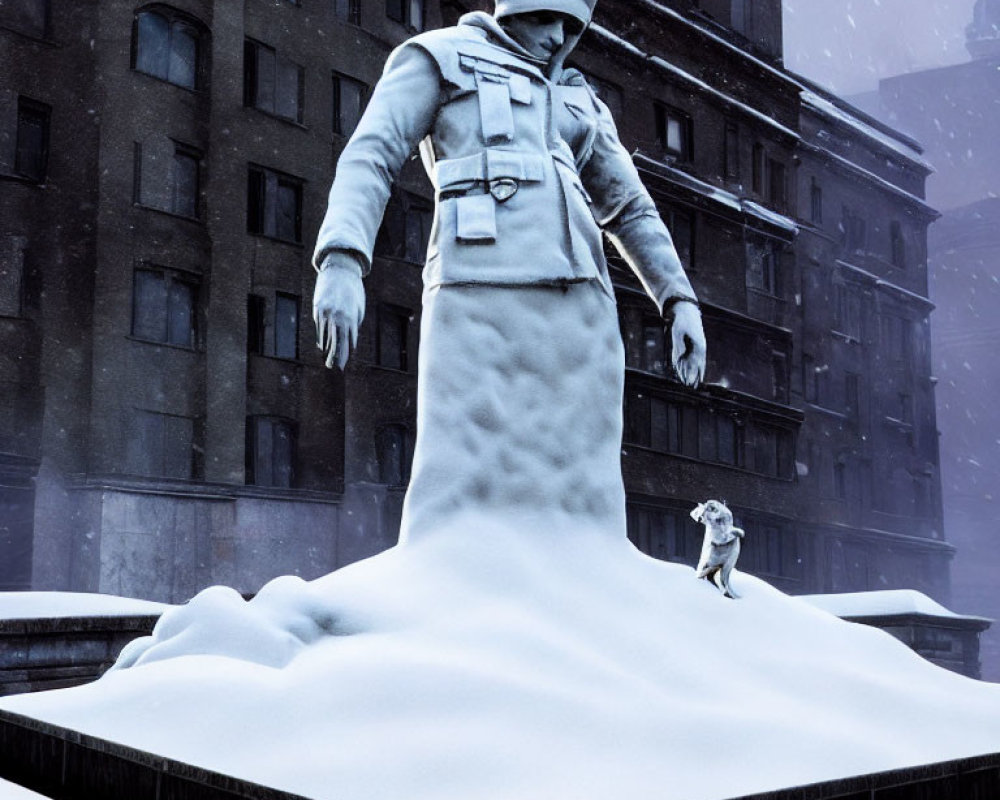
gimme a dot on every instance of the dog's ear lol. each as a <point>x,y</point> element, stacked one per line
<point>739,532</point>
<point>698,512</point>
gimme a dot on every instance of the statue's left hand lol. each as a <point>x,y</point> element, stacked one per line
<point>688,343</point>
<point>338,307</point>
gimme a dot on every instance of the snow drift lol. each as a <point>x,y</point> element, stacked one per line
<point>482,663</point>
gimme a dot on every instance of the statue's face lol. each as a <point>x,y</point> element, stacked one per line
<point>541,33</point>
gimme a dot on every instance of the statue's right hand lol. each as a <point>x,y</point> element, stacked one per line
<point>338,306</point>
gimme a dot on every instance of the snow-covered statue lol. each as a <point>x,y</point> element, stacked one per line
<point>521,361</point>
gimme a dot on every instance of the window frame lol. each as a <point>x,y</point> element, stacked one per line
<point>173,17</point>
<point>405,15</point>
<point>170,277</point>
<point>258,203</point>
<point>254,475</point>
<point>337,102</point>
<point>43,33</point>
<point>404,317</point>
<point>664,114</point>
<point>352,9</point>
<point>252,49</point>
<point>42,114</point>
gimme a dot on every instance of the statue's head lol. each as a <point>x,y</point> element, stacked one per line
<point>578,10</point>
<point>548,29</point>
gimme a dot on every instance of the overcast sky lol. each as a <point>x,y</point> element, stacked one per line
<point>848,45</point>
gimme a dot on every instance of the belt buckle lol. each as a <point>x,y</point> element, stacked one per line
<point>503,189</point>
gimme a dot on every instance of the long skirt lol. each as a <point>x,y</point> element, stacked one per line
<point>519,410</point>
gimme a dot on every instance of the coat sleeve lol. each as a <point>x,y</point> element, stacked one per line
<point>399,115</point>
<point>628,215</point>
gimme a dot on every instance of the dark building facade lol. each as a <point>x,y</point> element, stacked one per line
<point>168,423</point>
<point>954,111</point>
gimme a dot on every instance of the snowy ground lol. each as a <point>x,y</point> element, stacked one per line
<point>484,664</point>
<point>11,791</point>
<point>48,605</point>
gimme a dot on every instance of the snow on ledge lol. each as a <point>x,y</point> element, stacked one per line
<point>890,602</point>
<point>49,605</point>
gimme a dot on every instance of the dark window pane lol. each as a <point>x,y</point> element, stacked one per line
<point>282,454</point>
<point>32,140</point>
<point>654,355</point>
<point>286,326</point>
<point>153,47</point>
<point>26,16</point>
<point>394,449</point>
<point>417,232</point>
<point>183,55</point>
<point>287,211</point>
<point>726,428</point>
<point>256,185</point>
<point>393,333</point>
<point>185,189</point>
<point>732,154</point>
<point>264,89</point>
<point>180,314</point>
<point>396,10</point>
<point>348,103</point>
<point>659,435</point>
<point>681,226</point>
<point>288,91</point>
<point>144,451</point>
<point>256,323</point>
<point>149,306</point>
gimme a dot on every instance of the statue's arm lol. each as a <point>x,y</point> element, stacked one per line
<point>399,115</point>
<point>628,215</point>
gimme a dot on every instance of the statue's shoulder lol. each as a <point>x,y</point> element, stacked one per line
<point>445,42</point>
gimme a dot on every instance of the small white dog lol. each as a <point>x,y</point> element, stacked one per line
<point>721,546</point>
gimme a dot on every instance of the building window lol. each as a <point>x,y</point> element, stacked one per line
<point>270,452</point>
<point>164,307</point>
<point>168,177</point>
<point>764,267</point>
<point>815,202</point>
<point>348,103</point>
<point>721,439</point>
<point>854,230</point>
<point>654,353</point>
<point>731,156</point>
<point>166,45</point>
<point>348,11</point>
<point>12,249</point>
<point>271,82</point>
<point>162,446</point>
<point>759,167</point>
<point>847,312</point>
<point>742,17</point>
<point>896,338</point>
<point>681,226</point>
<point>394,449</point>
<point>406,228</point>
<point>273,328</point>
<point>897,245</point>
<point>664,533</point>
<point>673,132</point>
<point>392,348</point>
<point>30,17</point>
<point>32,148</point>
<point>852,395</point>
<point>274,205</point>
<point>779,376</point>
<point>777,184</point>
<point>406,12</point>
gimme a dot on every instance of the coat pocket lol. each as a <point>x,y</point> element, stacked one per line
<point>476,219</point>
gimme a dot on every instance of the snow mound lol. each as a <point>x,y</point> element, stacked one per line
<point>484,663</point>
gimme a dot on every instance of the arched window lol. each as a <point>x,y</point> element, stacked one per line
<point>168,45</point>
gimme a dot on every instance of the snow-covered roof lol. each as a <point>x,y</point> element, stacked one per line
<point>49,605</point>
<point>687,77</point>
<point>889,602</point>
<point>830,110</point>
<point>772,217</point>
